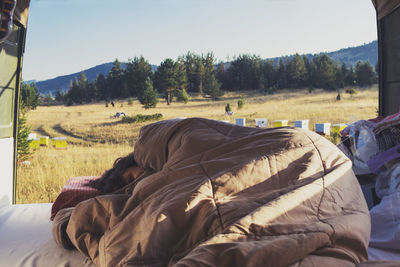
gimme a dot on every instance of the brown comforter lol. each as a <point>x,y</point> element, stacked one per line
<point>225,195</point>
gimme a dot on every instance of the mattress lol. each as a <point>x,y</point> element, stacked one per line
<point>26,239</point>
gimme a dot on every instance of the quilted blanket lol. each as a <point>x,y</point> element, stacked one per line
<point>225,195</point>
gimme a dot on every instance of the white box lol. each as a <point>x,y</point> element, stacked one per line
<point>240,121</point>
<point>303,124</point>
<point>261,123</point>
<point>32,136</point>
<point>323,128</point>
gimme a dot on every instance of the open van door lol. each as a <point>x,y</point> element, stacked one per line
<point>11,51</point>
<point>388,21</point>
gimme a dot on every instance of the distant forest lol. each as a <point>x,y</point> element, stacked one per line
<point>200,74</point>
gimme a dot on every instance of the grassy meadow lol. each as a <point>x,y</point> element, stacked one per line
<point>95,139</point>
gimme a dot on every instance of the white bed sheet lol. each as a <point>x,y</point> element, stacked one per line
<point>26,239</point>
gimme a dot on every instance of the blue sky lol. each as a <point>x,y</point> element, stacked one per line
<point>67,36</point>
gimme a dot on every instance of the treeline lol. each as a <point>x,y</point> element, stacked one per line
<point>200,74</point>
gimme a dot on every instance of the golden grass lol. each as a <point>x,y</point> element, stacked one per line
<point>50,168</point>
<point>95,140</point>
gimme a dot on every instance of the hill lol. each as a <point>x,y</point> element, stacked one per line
<point>349,55</point>
<point>352,55</point>
<point>62,82</point>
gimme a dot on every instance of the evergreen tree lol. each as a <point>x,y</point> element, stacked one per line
<point>296,72</point>
<point>324,72</point>
<point>74,94</point>
<point>84,88</point>
<point>180,75</point>
<point>164,78</point>
<point>222,76</point>
<point>211,86</point>
<point>30,95</point>
<point>23,149</point>
<point>245,72</point>
<point>281,75</point>
<point>169,77</point>
<point>191,62</point>
<point>136,73</point>
<point>101,87</point>
<point>350,78</point>
<point>364,74</point>
<point>115,81</point>
<point>341,76</point>
<point>149,96</point>
<point>267,76</point>
<point>200,73</point>
<point>60,96</point>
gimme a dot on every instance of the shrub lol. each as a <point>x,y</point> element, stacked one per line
<point>270,91</point>
<point>228,108</point>
<point>141,118</point>
<point>130,101</point>
<point>351,91</point>
<point>241,102</point>
<point>182,95</point>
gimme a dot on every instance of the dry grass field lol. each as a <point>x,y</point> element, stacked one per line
<point>95,139</point>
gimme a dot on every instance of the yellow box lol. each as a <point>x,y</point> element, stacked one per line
<point>280,123</point>
<point>59,142</point>
<point>44,141</point>
<point>337,128</point>
<point>34,144</point>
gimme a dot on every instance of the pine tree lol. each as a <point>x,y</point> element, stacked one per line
<point>30,95</point>
<point>101,87</point>
<point>191,65</point>
<point>136,73</point>
<point>149,97</point>
<point>23,149</point>
<point>364,74</point>
<point>200,73</point>
<point>115,81</point>
<point>170,77</point>
<point>296,71</point>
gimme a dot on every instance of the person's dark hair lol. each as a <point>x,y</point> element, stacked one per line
<point>112,180</point>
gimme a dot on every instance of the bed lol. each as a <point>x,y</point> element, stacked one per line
<point>217,195</point>
<point>26,239</point>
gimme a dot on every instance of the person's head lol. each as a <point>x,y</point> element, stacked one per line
<point>123,172</point>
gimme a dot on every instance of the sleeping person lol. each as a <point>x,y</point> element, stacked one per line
<point>199,192</point>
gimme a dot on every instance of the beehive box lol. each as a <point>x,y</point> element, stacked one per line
<point>32,136</point>
<point>323,128</point>
<point>59,142</point>
<point>337,128</point>
<point>34,144</point>
<point>280,123</point>
<point>303,124</point>
<point>261,123</point>
<point>240,121</point>
<point>44,140</point>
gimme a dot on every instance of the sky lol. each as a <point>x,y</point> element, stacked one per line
<point>68,36</point>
